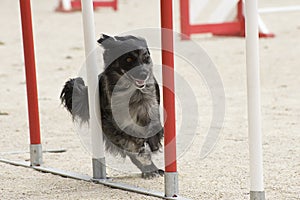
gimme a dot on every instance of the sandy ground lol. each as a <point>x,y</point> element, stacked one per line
<point>222,175</point>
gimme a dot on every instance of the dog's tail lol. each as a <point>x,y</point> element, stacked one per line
<point>74,97</point>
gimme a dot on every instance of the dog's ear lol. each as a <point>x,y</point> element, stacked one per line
<point>106,41</point>
<point>103,38</point>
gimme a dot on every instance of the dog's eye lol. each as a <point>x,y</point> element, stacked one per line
<point>129,59</point>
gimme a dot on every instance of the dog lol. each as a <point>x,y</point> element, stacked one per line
<point>129,101</point>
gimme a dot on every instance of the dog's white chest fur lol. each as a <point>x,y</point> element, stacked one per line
<point>135,111</point>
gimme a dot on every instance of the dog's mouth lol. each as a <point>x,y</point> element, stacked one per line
<point>140,84</point>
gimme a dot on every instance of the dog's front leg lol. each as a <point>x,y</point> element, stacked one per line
<point>154,140</point>
<point>144,162</point>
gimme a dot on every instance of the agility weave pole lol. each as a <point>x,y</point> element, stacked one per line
<point>31,84</point>
<point>99,171</point>
<point>254,104</point>
<point>99,174</point>
<point>171,175</point>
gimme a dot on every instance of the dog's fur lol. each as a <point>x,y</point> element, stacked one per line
<point>129,101</point>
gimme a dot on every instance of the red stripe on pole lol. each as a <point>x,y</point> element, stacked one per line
<point>168,82</point>
<point>32,99</point>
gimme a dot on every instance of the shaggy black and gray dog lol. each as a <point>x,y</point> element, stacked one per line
<point>129,101</point>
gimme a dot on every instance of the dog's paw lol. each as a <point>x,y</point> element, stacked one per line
<point>153,174</point>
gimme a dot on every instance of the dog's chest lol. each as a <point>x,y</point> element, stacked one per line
<point>135,107</point>
<point>142,107</point>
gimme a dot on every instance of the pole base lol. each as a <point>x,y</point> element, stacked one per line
<point>99,168</point>
<point>257,195</point>
<point>171,184</point>
<point>36,155</point>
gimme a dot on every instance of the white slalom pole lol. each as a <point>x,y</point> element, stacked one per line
<point>254,105</point>
<point>99,171</point>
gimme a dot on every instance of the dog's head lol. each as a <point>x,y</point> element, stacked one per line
<point>128,55</point>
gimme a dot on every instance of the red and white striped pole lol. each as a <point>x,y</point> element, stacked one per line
<point>32,97</point>
<point>171,175</point>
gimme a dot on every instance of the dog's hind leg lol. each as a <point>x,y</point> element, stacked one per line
<point>144,162</point>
